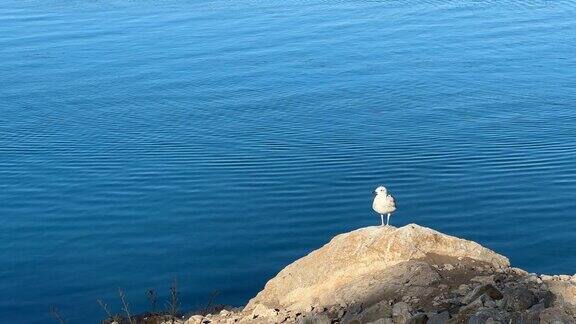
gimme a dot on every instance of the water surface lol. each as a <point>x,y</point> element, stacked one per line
<point>217,141</point>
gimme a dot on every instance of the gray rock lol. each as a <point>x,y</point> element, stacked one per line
<point>375,312</point>
<point>418,319</point>
<point>534,279</point>
<point>519,299</point>
<point>487,301</point>
<point>487,289</point>
<point>421,275</point>
<point>532,315</point>
<point>484,279</point>
<point>538,307</point>
<point>401,312</point>
<point>448,267</point>
<point>382,321</point>
<point>556,315</point>
<point>440,318</point>
<point>487,315</point>
<point>463,289</point>
<point>519,272</point>
<point>545,297</point>
<point>315,319</point>
<point>469,309</point>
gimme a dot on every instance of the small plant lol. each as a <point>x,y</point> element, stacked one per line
<point>104,306</point>
<point>210,306</point>
<point>171,313</point>
<point>115,318</point>
<point>56,314</point>
<point>174,302</point>
<point>125,305</point>
<point>152,299</point>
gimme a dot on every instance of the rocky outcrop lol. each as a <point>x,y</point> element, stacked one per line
<point>410,274</point>
<point>355,268</point>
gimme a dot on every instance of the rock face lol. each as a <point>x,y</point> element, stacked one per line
<point>356,267</point>
<point>387,275</point>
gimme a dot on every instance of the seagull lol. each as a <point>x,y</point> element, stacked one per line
<point>383,204</point>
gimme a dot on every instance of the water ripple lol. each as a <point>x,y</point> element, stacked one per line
<point>217,141</point>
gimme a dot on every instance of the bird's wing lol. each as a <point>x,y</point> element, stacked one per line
<point>391,201</point>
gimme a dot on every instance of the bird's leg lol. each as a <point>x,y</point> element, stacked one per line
<point>382,219</point>
<point>388,219</point>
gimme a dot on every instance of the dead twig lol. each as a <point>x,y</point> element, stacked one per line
<point>174,302</point>
<point>56,314</point>
<point>208,308</point>
<point>125,305</point>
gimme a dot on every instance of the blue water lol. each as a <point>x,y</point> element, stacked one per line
<point>217,141</point>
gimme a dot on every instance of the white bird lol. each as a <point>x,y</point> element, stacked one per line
<point>383,204</point>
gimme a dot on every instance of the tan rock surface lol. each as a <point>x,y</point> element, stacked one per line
<point>354,265</point>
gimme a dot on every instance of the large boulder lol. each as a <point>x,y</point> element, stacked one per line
<point>407,275</point>
<point>358,269</point>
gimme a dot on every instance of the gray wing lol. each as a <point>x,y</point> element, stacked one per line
<point>391,201</point>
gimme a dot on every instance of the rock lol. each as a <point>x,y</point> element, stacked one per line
<point>519,299</point>
<point>500,278</point>
<point>375,312</point>
<point>487,301</point>
<point>556,315</point>
<point>483,279</point>
<point>487,315</point>
<point>401,312</point>
<point>534,279</point>
<point>440,318</point>
<point>387,275</point>
<point>519,272</point>
<point>351,268</point>
<point>468,310</point>
<point>315,319</point>
<point>564,291</point>
<point>487,289</point>
<point>224,313</point>
<point>418,319</point>
<point>463,289</point>
<point>537,308</point>
<point>532,315</point>
<point>196,319</point>
<point>263,311</point>
<point>176,321</point>
<point>382,321</point>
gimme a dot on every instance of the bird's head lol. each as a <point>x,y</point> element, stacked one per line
<point>380,191</point>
